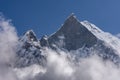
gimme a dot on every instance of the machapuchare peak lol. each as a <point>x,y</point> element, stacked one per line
<point>74,35</point>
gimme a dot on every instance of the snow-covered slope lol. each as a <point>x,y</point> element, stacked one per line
<point>86,38</point>
<point>108,38</point>
<point>29,50</point>
<point>81,38</point>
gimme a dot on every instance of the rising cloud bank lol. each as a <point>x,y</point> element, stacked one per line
<point>8,43</point>
<point>60,66</point>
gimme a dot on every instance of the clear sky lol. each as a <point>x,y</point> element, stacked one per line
<point>46,16</point>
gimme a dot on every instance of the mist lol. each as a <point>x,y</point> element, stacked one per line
<point>8,43</point>
<point>60,67</point>
<point>60,64</point>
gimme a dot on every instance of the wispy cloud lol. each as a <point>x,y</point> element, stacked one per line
<point>59,66</point>
<point>8,42</point>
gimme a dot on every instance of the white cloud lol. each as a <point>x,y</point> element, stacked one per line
<point>60,67</point>
<point>60,64</point>
<point>8,42</point>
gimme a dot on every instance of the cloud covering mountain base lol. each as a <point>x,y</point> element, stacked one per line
<point>59,67</point>
<point>8,43</point>
<point>60,64</point>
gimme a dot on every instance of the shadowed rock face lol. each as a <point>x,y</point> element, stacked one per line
<point>29,51</point>
<point>30,35</point>
<point>44,41</point>
<point>73,35</point>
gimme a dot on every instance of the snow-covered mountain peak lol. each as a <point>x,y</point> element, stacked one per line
<point>29,36</point>
<point>29,50</point>
<point>29,31</point>
<point>71,17</point>
<point>84,37</point>
<point>75,35</point>
<point>106,37</point>
<point>91,26</point>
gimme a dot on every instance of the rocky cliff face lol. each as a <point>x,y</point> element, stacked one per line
<point>73,36</point>
<point>29,51</point>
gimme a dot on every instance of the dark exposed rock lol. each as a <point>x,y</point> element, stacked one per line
<point>75,35</point>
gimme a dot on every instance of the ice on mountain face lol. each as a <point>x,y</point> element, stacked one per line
<point>29,36</point>
<point>29,39</point>
<point>85,36</point>
<point>82,38</point>
<point>32,53</point>
<point>110,40</point>
<point>29,50</point>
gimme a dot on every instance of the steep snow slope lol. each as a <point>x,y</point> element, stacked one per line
<point>79,38</point>
<point>85,38</point>
<point>29,50</point>
<point>109,39</point>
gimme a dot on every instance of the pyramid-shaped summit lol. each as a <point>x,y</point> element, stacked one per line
<point>83,37</point>
<point>72,35</point>
<point>28,36</point>
<point>86,37</point>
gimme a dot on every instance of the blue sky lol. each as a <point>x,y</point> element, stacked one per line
<point>46,16</point>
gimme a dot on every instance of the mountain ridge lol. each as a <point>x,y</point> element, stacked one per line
<point>72,36</point>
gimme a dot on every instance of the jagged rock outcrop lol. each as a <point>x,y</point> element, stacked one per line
<point>79,38</point>
<point>29,51</point>
<point>73,34</point>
